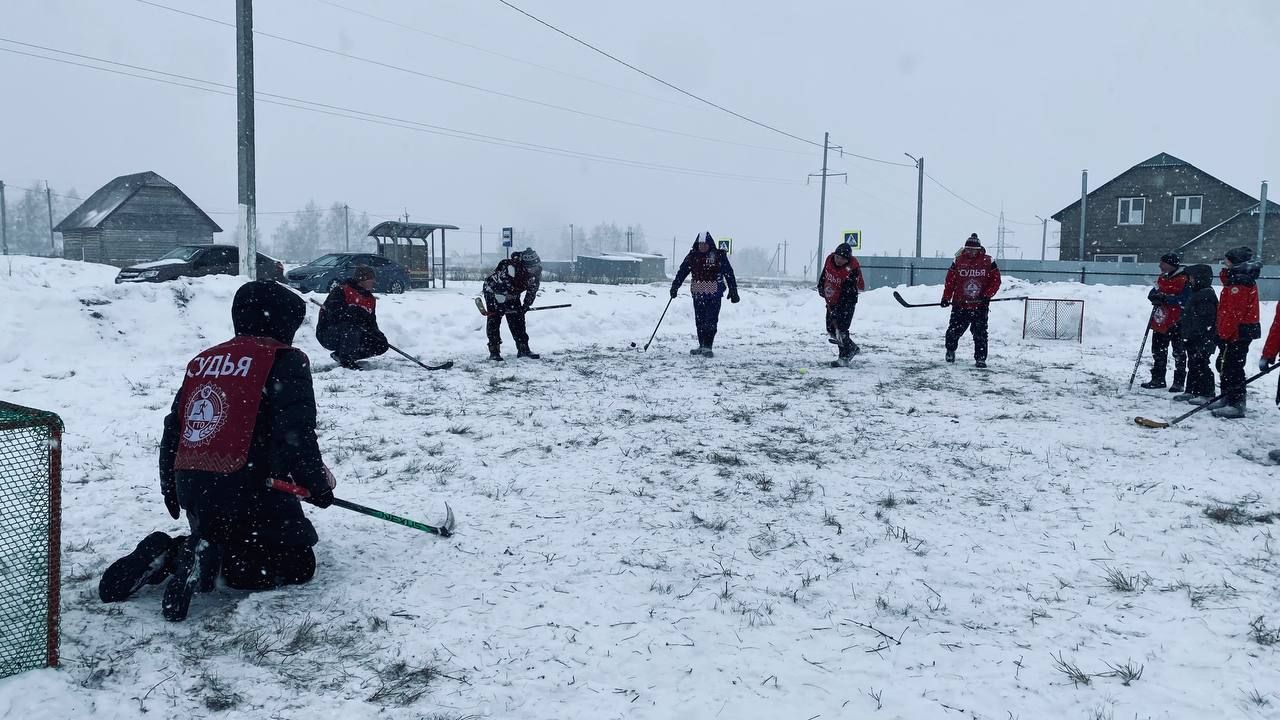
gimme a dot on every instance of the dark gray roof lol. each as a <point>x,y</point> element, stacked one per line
<point>415,231</point>
<point>1160,160</point>
<point>103,203</point>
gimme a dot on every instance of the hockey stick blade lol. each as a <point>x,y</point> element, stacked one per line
<point>1149,423</point>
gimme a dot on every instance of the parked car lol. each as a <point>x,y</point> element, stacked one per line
<point>198,260</point>
<point>327,271</point>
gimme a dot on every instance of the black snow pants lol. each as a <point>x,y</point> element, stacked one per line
<point>1199,373</point>
<point>1234,355</point>
<point>706,315</point>
<point>1160,343</point>
<point>964,319</point>
<point>350,342</point>
<point>515,323</point>
<point>839,318</point>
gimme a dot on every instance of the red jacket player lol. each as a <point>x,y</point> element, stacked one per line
<point>839,285</point>
<point>1167,298</point>
<point>971,283</point>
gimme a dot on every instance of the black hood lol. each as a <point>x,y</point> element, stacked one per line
<point>1245,273</point>
<point>1201,276</point>
<point>263,308</point>
<point>704,236</point>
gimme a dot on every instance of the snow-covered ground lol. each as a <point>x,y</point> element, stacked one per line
<point>649,535</point>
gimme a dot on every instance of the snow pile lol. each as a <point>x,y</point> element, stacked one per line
<point>654,535</point>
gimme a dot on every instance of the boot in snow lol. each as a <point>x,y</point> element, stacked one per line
<point>841,362</point>
<point>1153,384</point>
<point>1179,382</point>
<point>1185,397</point>
<point>1218,404</point>
<point>527,353</point>
<point>495,353</point>
<point>980,363</point>
<point>189,571</point>
<point>831,338</point>
<point>1200,399</point>
<point>146,565</point>
<point>697,351</point>
<point>951,356</point>
<point>1274,455</point>
<point>1231,412</point>
<point>706,352</point>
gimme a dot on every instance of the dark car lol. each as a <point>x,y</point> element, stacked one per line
<point>198,260</point>
<point>327,271</point>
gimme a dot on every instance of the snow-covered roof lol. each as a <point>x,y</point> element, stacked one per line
<point>635,255</point>
<point>103,203</point>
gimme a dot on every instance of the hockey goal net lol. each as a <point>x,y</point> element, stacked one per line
<point>1053,319</point>
<point>30,490</point>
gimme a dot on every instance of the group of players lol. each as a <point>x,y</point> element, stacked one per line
<point>245,414</point>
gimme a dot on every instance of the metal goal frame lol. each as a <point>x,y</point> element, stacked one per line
<point>1079,327</point>
<point>30,551</point>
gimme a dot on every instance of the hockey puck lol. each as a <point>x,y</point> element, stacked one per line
<point>633,344</point>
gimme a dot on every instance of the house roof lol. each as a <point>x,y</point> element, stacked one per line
<point>103,203</point>
<point>410,231</point>
<point>1162,160</point>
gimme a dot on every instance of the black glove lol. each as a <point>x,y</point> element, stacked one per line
<point>674,291</point>
<point>171,502</point>
<point>945,303</point>
<point>1157,298</point>
<point>733,296</point>
<point>322,499</point>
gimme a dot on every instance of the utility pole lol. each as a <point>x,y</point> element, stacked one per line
<point>628,241</point>
<point>674,266</point>
<point>49,203</point>
<point>571,258</point>
<point>919,201</point>
<point>480,260</point>
<point>784,258</point>
<point>1044,234</point>
<point>346,225</point>
<point>247,172</point>
<point>822,203</point>
<point>1084,205</point>
<point>4,229</point>
<point>1262,221</point>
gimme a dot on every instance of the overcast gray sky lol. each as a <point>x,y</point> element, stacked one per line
<point>1007,101</point>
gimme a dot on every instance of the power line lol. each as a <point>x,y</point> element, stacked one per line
<point>468,86</point>
<point>655,78</point>
<point>377,119</point>
<point>504,56</point>
<point>980,209</point>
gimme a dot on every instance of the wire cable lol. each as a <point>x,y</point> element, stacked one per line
<point>375,118</point>
<point>657,79</point>
<point>468,86</point>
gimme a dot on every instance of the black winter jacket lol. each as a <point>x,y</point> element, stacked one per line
<point>1199,323</point>
<point>239,506</point>
<point>337,312</point>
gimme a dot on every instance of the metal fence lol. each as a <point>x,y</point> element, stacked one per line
<point>896,271</point>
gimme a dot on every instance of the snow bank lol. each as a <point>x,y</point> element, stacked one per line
<point>654,535</point>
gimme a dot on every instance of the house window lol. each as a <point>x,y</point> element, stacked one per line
<point>1186,209</point>
<point>1116,258</point>
<point>1132,210</point>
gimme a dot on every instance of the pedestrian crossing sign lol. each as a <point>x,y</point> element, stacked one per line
<point>725,245</point>
<point>853,238</point>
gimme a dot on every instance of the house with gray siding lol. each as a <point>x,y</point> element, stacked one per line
<point>1166,204</point>
<point>132,219</point>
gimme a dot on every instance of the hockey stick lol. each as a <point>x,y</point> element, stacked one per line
<point>486,313</point>
<point>904,303</point>
<point>442,366</point>
<point>443,530</point>
<point>1148,423</point>
<point>1141,348</point>
<point>655,327</point>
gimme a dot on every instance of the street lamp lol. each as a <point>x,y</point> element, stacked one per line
<point>919,200</point>
<point>1044,233</point>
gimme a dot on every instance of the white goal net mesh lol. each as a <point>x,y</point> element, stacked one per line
<point>1053,319</point>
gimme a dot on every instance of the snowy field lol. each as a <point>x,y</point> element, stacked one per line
<point>649,535</point>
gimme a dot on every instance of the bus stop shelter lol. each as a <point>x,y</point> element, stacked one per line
<point>413,246</point>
